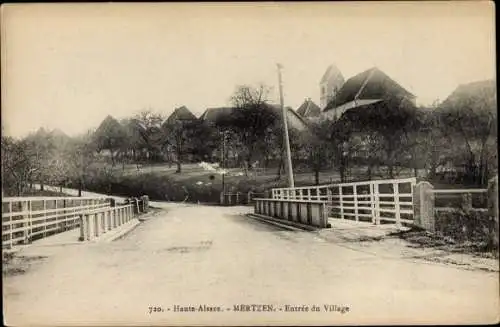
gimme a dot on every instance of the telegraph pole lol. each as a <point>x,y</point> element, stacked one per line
<point>285,131</point>
<point>223,160</point>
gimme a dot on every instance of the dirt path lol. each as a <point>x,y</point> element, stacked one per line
<point>197,255</point>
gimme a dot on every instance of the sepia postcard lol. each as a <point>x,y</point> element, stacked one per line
<point>249,164</point>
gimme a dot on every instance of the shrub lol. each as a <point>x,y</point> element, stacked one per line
<point>470,226</point>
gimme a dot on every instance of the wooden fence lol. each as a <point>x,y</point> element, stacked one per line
<point>377,201</point>
<point>25,219</point>
<point>239,198</point>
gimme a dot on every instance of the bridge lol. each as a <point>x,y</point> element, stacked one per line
<point>196,264</point>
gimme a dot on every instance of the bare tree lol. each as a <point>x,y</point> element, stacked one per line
<point>18,167</point>
<point>253,118</point>
<point>148,125</point>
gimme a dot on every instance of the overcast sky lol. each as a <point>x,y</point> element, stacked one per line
<point>68,66</point>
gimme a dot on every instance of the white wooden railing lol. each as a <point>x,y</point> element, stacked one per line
<point>27,218</point>
<point>376,201</point>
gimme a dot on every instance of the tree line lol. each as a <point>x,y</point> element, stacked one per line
<point>455,139</point>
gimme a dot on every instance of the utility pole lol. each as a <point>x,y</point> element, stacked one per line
<point>223,160</point>
<point>285,131</point>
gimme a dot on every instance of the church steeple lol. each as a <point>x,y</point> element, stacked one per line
<point>330,83</point>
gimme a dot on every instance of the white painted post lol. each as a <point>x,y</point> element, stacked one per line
<point>301,194</point>
<point>341,202</point>
<point>372,202</point>
<point>396,205</point>
<point>308,194</point>
<point>377,203</point>
<point>105,223</point>
<point>97,220</point>
<point>237,197</point>
<point>10,224</point>
<point>90,229</point>
<point>318,195</point>
<point>30,218</point>
<point>355,196</point>
<point>45,220</point>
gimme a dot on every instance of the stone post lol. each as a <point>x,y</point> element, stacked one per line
<point>423,206</point>
<point>83,227</point>
<point>493,210</point>
<point>145,203</point>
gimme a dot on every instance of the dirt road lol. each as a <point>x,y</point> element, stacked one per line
<point>195,255</point>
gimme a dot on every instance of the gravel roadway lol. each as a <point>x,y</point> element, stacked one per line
<point>194,255</point>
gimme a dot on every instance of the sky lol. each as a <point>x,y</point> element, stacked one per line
<point>68,66</point>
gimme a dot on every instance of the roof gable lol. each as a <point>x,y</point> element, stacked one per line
<point>181,113</point>
<point>216,115</point>
<point>309,109</point>
<point>474,94</point>
<point>370,84</point>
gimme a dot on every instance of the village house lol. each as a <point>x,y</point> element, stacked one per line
<point>365,89</point>
<point>309,110</point>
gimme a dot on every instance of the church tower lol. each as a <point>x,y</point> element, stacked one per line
<point>330,84</point>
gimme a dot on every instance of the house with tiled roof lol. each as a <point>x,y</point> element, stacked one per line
<point>331,81</point>
<point>180,114</point>
<point>365,89</point>
<point>308,109</point>
<point>217,116</point>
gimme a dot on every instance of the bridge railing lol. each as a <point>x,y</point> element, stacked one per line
<point>306,212</point>
<point>25,219</point>
<point>239,198</point>
<point>96,222</point>
<point>374,201</point>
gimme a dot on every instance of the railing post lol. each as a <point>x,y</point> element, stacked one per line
<point>90,227</point>
<point>355,198</point>
<point>396,205</point>
<point>423,206</point>
<point>45,220</point>
<point>237,197</point>
<point>26,220</point>
<point>64,215</point>
<point>112,218</point>
<point>105,224</point>
<point>83,227</point>
<point>97,220</point>
<point>377,203</point>
<point>341,202</point>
